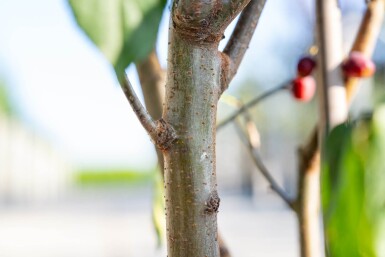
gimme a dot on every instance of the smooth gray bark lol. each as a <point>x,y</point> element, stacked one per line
<point>192,93</point>
<point>194,75</point>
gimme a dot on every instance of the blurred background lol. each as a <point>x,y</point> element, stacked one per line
<point>77,170</point>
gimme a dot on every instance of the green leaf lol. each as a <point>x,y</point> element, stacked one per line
<point>124,30</point>
<point>5,102</point>
<point>158,212</point>
<point>376,182</point>
<point>353,188</point>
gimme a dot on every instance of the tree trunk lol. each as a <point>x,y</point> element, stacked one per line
<point>192,93</point>
<point>152,80</point>
<point>196,75</point>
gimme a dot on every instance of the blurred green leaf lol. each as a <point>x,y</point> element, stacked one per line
<point>5,102</point>
<point>124,30</point>
<point>353,188</point>
<point>158,213</point>
<point>90,177</point>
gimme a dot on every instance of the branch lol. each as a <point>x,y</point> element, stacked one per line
<point>231,9</point>
<point>252,141</point>
<point>152,80</point>
<point>241,37</point>
<point>366,39</point>
<point>223,249</point>
<point>145,119</point>
<point>161,133</point>
<point>250,104</point>
<point>253,144</point>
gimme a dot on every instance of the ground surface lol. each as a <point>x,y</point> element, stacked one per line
<point>117,223</point>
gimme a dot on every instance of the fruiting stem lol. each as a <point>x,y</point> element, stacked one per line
<point>366,39</point>
<point>250,104</point>
<point>364,42</point>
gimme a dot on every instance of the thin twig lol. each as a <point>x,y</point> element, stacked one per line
<point>254,152</point>
<point>161,133</point>
<point>251,139</point>
<point>251,104</point>
<point>241,36</point>
<point>144,117</point>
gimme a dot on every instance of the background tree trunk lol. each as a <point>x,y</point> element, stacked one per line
<point>153,80</point>
<point>333,111</point>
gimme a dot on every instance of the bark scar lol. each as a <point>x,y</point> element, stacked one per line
<point>165,135</point>
<point>212,203</point>
<point>197,23</point>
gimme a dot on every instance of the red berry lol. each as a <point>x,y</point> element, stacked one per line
<point>358,65</point>
<point>303,88</point>
<point>306,66</point>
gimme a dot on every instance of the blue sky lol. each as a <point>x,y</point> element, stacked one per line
<point>66,90</point>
